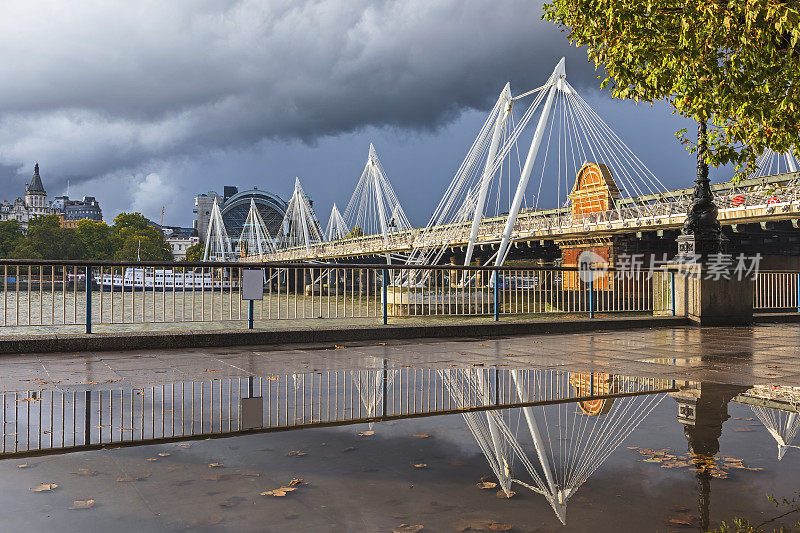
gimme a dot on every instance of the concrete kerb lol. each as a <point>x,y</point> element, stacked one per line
<point>107,342</point>
<point>102,342</point>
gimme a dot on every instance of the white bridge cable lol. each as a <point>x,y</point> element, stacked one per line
<point>770,163</point>
<point>300,226</point>
<point>337,227</point>
<point>374,208</point>
<point>783,426</point>
<point>255,240</point>
<point>569,442</point>
<point>574,135</point>
<point>370,386</point>
<point>218,244</point>
<point>653,184</point>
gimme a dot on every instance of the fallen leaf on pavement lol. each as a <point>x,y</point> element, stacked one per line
<point>486,485</point>
<point>408,528</point>
<point>82,504</point>
<point>45,487</point>
<point>279,493</point>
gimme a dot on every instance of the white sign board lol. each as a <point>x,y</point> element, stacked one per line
<point>252,284</point>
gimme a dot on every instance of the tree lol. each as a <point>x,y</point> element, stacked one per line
<point>130,221</point>
<point>195,252</point>
<point>355,233</point>
<point>733,64</point>
<point>46,239</point>
<point>95,238</point>
<point>133,238</point>
<point>10,236</point>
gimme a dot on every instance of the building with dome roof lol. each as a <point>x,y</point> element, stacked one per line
<point>234,206</point>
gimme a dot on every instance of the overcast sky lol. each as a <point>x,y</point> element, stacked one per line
<point>146,104</point>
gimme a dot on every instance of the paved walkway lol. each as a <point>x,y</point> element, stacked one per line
<point>742,356</point>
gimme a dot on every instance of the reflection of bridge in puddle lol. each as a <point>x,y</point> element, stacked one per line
<point>569,441</point>
<point>778,408</point>
<point>575,420</point>
<point>571,422</point>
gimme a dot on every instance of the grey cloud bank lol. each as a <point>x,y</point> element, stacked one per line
<point>134,99</point>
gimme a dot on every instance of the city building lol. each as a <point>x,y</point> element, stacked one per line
<point>235,205</point>
<point>71,211</point>
<point>34,204</point>
<point>179,239</point>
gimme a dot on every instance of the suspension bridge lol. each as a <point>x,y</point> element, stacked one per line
<point>544,167</point>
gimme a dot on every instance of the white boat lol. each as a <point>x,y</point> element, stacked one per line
<point>160,279</point>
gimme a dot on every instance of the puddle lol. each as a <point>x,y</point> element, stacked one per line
<point>397,447</point>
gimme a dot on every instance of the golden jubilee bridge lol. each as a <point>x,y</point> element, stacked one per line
<point>538,149</point>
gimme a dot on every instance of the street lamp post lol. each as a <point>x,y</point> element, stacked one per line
<point>701,234</point>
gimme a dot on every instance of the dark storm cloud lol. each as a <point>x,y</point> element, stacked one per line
<point>99,88</point>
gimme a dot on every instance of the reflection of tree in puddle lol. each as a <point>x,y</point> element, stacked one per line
<point>570,439</point>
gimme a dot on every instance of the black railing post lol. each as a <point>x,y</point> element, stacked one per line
<point>496,296</point>
<point>384,295</point>
<point>385,386</point>
<point>672,292</point>
<point>250,305</point>
<point>88,299</point>
<point>591,293</point>
<point>87,419</point>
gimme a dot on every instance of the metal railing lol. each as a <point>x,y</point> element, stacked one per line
<point>38,295</point>
<point>777,291</point>
<point>50,420</point>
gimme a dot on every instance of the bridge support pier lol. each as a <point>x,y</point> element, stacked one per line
<point>712,302</point>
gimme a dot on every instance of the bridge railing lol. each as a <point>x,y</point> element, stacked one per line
<point>762,199</point>
<point>777,291</point>
<point>93,296</point>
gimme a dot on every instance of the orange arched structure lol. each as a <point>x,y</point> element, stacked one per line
<point>594,190</point>
<point>589,384</point>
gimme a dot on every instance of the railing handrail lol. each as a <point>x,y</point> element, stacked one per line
<point>274,264</point>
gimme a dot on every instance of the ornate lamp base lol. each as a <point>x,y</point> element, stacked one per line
<point>700,247</point>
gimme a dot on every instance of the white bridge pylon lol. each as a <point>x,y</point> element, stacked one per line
<point>493,180</point>
<point>218,244</point>
<point>371,385</point>
<point>300,226</point>
<point>374,207</point>
<point>336,228</point>
<point>255,240</point>
<point>784,426</point>
<point>570,441</point>
<point>770,163</point>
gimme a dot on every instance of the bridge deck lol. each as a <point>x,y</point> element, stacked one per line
<point>770,199</point>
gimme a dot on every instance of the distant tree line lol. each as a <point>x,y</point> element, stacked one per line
<point>129,238</point>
